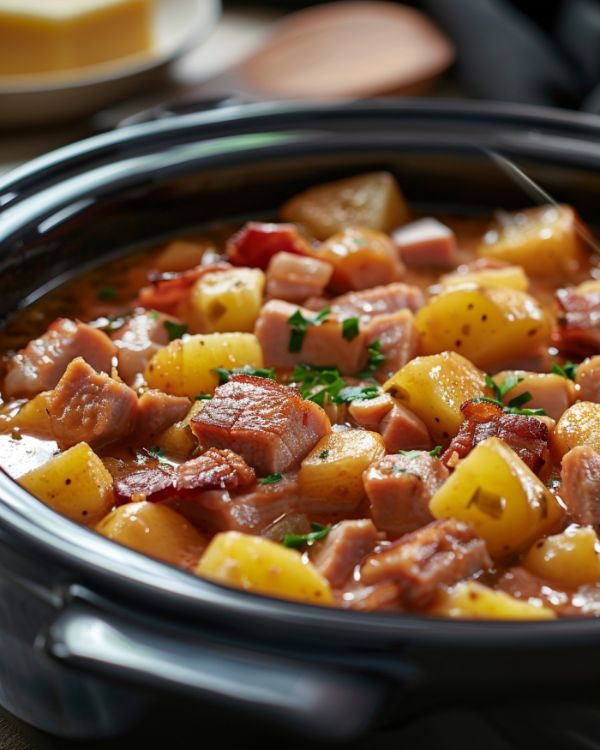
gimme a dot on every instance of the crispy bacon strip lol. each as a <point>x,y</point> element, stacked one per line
<point>257,242</point>
<point>153,484</point>
<point>168,290</point>
<point>213,470</point>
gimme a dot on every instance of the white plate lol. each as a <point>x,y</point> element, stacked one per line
<point>36,100</point>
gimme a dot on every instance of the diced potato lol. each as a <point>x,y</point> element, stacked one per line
<point>154,530</point>
<point>370,200</point>
<point>543,240</point>
<point>33,417</point>
<point>552,393</point>
<point>75,483</point>
<point>180,255</point>
<point>178,440</point>
<point>434,389</point>
<point>257,564</point>
<point>185,367</point>
<point>513,277</point>
<point>490,326</point>
<point>579,425</point>
<point>225,301</point>
<point>500,496</point>
<point>331,474</point>
<point>472,600</point>
<point>569,559</point>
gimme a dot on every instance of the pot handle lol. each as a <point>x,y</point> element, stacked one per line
<point>320,701</point>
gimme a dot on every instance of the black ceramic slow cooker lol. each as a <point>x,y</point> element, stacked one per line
<point>94,636</point>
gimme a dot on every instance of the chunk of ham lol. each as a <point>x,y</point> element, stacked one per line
<point>527,436</point>
<point>399,427</point>
<point>399,489</point>
<point>323,345</point>
<point>90,406</point>
<point>588,379</point>
<point>579,320</point>
<point>398,339</point>
<point>343,549</point>
<point>214,469</point>
<point>580,485</point>
<point>270,425</point>
<point>441,553</point>
<point>41,364</point>
<point>426,242</point>
<point>552,393</point>
<point>295,278</point>
<point>156,411</point>
<point>257,242</point>
<point>380,597</point>
<point>168,290</point>
<point>370,413</point>
<point>379,300</point>
<point>137,341</point>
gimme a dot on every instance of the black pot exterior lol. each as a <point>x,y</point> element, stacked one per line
<point>90,632</point>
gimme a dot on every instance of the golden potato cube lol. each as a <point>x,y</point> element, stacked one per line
<point>513,277</point>
<point>75,483</point>
<point>179,255</point>
<point>569,559</point>
<point>186,366</point>
<point>500,496</point>
<point>332,472</point>
<point>434,389</point>
<point>155,530</point>
<point>472,600</point>
<point>371,200</point>
<point>544,240</point>
<point>178,441</point>
<point>33,417</point>
<point>490,326</point>
<point>257,564</point>
<point>579,425</point>
<point>225,301</point>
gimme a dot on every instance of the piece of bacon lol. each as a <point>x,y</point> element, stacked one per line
<point>526,435</point>
<point>579,321</point>
<point>257,242</point>
<point>213,470</point>
<point>580,485</point>
<point>152,483</point>
<point>168,290</point>
<point>346,545</point>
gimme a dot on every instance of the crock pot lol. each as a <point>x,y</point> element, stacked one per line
<point>94,636</point>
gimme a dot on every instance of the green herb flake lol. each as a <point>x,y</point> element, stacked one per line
<point>323,455</point>
<point>515,404</point>
<point>376,358</point>
<point>436,451</point>
<point>203,396</point>
<point>271,479</point>
<point>411,454</point>
<point>108,293</point>
<point>300,325</point>
<point>568,370</point>
<point>356,393</point>
<point>262,372</point>
<point>350,328</point>
<point>297,541</point>
<point>175,330</point>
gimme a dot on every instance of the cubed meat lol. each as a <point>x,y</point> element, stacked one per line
<point>398,339</point>
<point>41,364</point>
<point>399,489</point>
<point>137,341</point>
<point>87,406</point>
<point>579,320</point>
<point>257,242</point>
<point>580,486</point>
<point>323,345</point>
<point>168,290</point>
<point>523,585</point>
<point>370,413</point>
<point>441,553</point>
<point>550,392</point>
<point>154,484</point>
<point>379,300</point>
<point>270,425</point>
<point>295,278</point>
<point>380,597</point>
<point>527,436</point>
<point>588,379</point>
<point>426,242</point>
<point>157,411</point>
<point>402,430</point>
<point>346,545</point>
<point>213,470</point>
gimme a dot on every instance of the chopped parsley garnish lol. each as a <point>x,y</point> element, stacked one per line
<point>300,325</point>
<point>323,454</point>
<point>261,372</point>
<point>568,370</point>
<point>111,323</point>
<point>315,383</point>
<point>350,328</point>
<point>436,451</point>
<point>156,451</point>
<point>203,396</point>
<point>108,293</point>
<point>271,479</point>
<point>515,404</point>
<point>297,541</point>
<point>375,359</point>
<point>175,330</point>
<point>415,454</point>
<point>357,393</point>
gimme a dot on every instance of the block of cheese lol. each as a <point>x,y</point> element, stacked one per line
<point>43,36</point>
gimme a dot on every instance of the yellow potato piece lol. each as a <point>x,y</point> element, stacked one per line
<point>490,326</point>
<point>500,496</point>
<point>154,530</point>
<point>569,559</point>
<point>579,425</point>
<point>75,483</point>
<point>33,417</point>
<point>513,277</point>
<point>186,366</point>
<point>472,600</point>
<point>332,471</point>
<point>257,564</point>
<point>370,200</point>
<point>434,389</point>
<point>178,440</point>
<point>543,241</point>
<point>225,301</point>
